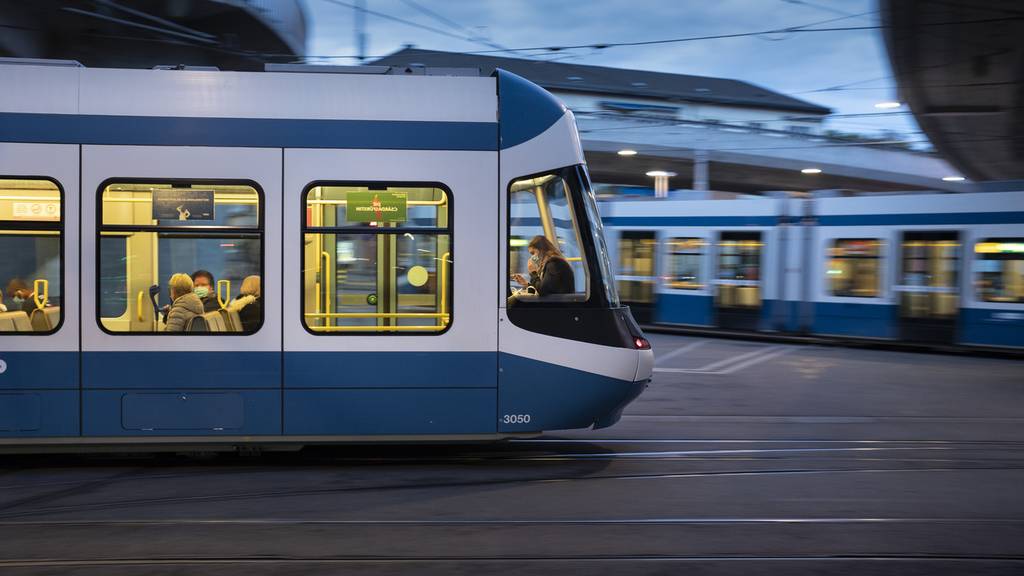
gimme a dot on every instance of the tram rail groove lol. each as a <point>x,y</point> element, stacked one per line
<point>225,497</point>
<point>355,559</point>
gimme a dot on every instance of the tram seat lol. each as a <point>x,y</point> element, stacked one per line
<point>197,324</point>
<point>15,322</point>
<point>216,322</point>
<point>234,320</point>
<point>45,319</point>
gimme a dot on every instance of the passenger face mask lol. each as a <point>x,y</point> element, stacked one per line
<point>202,291</point>
<point>535,258</point>
<point>18,300</point>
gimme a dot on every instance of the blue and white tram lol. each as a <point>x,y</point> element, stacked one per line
<point>350,240</point>
<point>930,268</point>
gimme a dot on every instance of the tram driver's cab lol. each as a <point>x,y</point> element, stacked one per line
<point>558,209</point>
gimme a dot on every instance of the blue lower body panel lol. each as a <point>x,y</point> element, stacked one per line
<point>992,327</point>
<point>693,309</point>
<point>856,320</point>
<point>39,413</point>
<point>373,411</point>
<point>173,370</point>
<point>39,394</point>
<point>181,412</point>
<point>537,396</point>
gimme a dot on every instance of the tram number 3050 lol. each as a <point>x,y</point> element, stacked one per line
<point>515,419</point>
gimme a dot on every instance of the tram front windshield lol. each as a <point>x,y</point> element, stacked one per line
<point>556,248</point>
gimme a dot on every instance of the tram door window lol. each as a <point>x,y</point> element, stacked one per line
<point>928,285</point>
<point>685,256</point>
<point>738,284</point>
<point>31,253</point>
<point>377,258</point>
<point>636,278</point>
<point>1000,270</point>
<point>541,207</point>
<point>854,267</point>
<point>150,231</point>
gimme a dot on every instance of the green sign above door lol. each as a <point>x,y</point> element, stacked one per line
<point>376,206</point>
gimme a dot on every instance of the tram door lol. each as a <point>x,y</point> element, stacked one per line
<point>928,294</point>
<point>738,282</point>
<point>155,218</point>
<point>636,273</point>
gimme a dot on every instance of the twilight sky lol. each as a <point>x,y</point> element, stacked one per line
<point>799,64</point>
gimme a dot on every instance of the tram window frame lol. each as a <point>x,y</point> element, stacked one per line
<point>672,251</point>
<point>980,256</point>
<point>194,232</point>
<point>30,226</point>
<point>596,296</point>
<point>878,258</point>
<point>448,230</point>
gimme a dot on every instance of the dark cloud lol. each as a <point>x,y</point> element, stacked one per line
<point>800,64</point>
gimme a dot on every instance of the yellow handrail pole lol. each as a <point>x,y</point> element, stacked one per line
<point>227,291</point>
<point>444,287</point>
<point>41,302</point>
<point>138,306</point>
<point>326,259</point>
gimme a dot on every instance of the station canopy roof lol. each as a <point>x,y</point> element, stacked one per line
<point>618,81</point>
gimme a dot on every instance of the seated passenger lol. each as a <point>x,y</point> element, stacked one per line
<point>22,296</point>
<point>206,289</point>
<point>185,304</point>
<point>550,272</point>
<point>249,303</point>
<point>3,308</point>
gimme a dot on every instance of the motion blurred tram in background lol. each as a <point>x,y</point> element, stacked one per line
<point>943,269</point>
<point>376,215</point>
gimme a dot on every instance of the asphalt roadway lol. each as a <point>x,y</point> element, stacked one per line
<point>741,458</point>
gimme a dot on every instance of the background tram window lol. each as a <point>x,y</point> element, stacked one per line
<point>30,254</point>
<point>685,256</point>
<point>540,207</point>
<point>151,231</point>
<point>377,259</point>
<point>854,267</point>
<point>739,270</point>
<point>1000,269</point>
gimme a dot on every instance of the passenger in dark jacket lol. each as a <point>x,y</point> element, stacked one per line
<point>249,304</point>
<point>550,272</point>
<point>205,287</point>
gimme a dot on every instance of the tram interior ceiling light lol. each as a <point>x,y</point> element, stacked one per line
<point>627,152</point>
<point>657,173</point>
<point>811,171</point>
<point>888,105</point>
<point>953,178</point>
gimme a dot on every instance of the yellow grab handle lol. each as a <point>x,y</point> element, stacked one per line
<point>227,290</point>
<point>326,260</point>
<point>138,305</point>
<point>41,302</point>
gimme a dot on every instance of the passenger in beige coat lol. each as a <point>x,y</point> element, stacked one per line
<point>186,305</point>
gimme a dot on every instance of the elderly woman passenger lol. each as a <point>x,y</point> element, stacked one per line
<point>249,304</point>
<point>185,304</point>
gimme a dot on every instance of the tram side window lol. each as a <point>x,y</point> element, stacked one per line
<point>1000,269</point>
<point>180,257</point>
<point>31,256</point>
<point>685,256</point>
<point>377,259</point>
<point>854,267</point>
<point>545,253</point>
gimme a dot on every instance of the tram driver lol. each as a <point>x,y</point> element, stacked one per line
<point>550,272</point>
